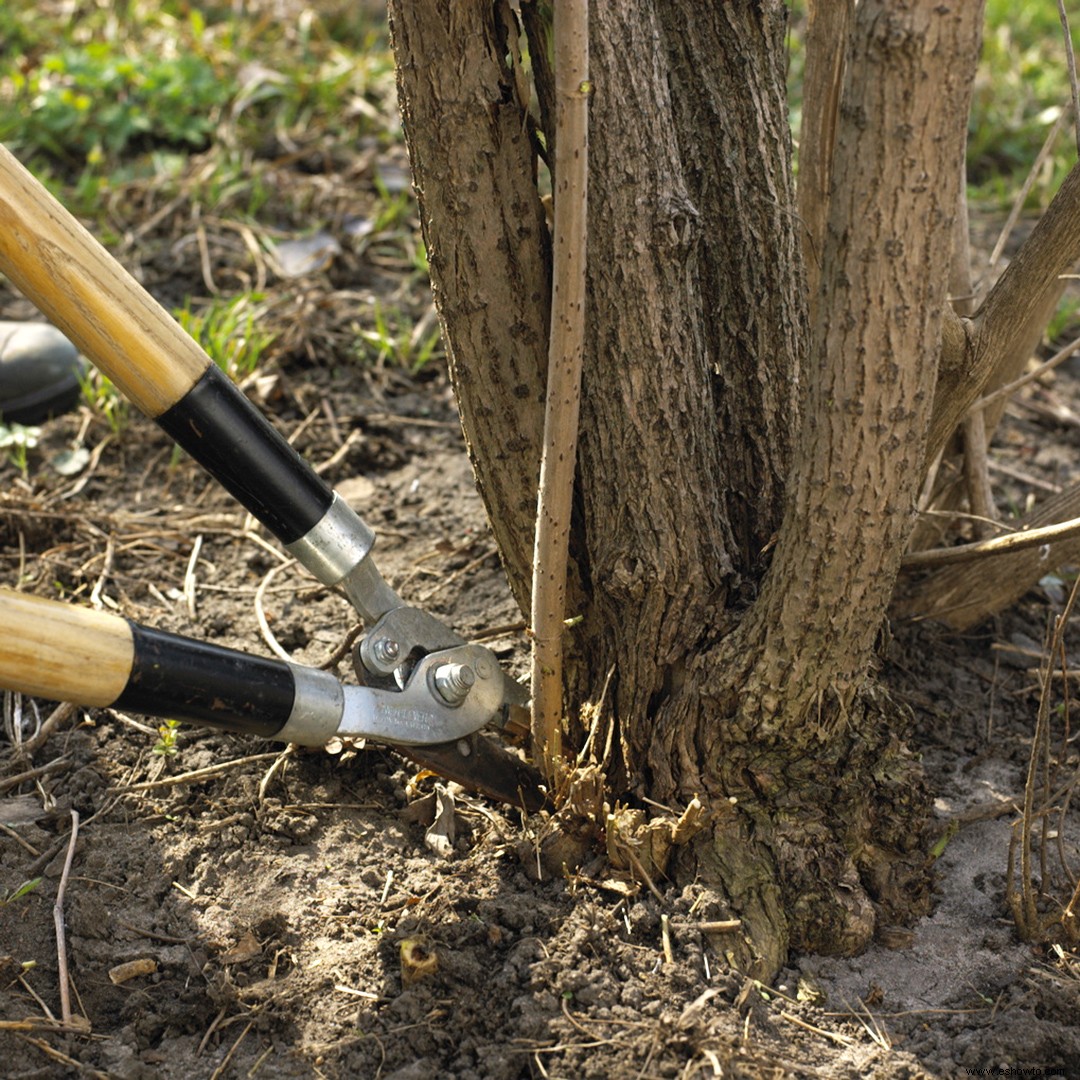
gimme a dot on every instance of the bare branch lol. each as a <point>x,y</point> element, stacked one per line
<point>1070,57</point>
<point>962,298</point>
<point>566,350</point>
<point>1009,389</point>
<point>1000,339</point>
<point>1025,190</point>
<point>976,471</point>
<point>962,596</point>
<point>998,545</point>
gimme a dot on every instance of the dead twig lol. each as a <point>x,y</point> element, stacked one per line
<point>260,613</point>
<point>228,1057</point>
<point>58,922</point>
<point>1030,376</point>
<point>1021,196</point>
<point>834,1036</point>
<point>32,774</point>
<point>566,352</point>
<point>190,584</point>
<point>998,545</point>
<point>1023,900</point>
<point>355,436</point>
<point>61,714</point>
<point>106,569</point>
<point>343,650</point>
<point>195,776</point>
<point>274,769</point>
<point>79,1069</point>
<point>976,473</point>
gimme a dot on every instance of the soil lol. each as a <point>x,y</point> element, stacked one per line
<point>274,901</point>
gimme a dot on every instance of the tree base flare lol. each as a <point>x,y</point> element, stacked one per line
<point>814,847</point>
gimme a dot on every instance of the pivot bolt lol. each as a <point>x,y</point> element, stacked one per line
<point>453,682</point>
<point>385,651</point>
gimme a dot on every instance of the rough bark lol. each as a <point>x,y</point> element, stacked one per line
<point>828,27</point>
<point>726,70</point>
<point>865,421</point>
<point>692,452</point>
<point>652,475</point>
<point>804,732</point>
<point>474,170</point>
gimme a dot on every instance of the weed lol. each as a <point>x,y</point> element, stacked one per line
<point>104,400</point>
<point>168,736</point>
<point>394,342</point>
<point>92,101</point>
<point>1021,87</point>
<point>228,332</point>
<point>18,440</point>
<point>24,889</point>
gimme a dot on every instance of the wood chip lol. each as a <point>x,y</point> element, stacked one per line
<point>132,969</point>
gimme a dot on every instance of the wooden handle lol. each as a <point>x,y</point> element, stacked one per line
<point>69,653</point>
<point>85,292</point>
<point>61,652</point>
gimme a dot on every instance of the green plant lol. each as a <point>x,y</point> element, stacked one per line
<point>24,889</point>
<point>396,343</point>
<point>104,400</point>
<point>1018,96</point>
<point>228,330</point>
<point>1064,320</point>
<point>92,101</point>
<point>18,440</point>
<point>168,735</point>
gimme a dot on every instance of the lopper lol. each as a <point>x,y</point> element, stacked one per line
<point>423,688</point>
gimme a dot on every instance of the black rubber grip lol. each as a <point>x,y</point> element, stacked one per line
<point>240,449</point>
<point>179,678</point>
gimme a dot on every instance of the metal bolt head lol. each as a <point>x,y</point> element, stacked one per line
<point>385,650</point>
<point>453,682</point>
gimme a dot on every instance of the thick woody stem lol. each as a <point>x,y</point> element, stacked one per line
<point>823,79</point>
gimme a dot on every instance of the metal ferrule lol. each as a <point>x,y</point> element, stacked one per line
<point>318,707</point>
<point>335,545</point>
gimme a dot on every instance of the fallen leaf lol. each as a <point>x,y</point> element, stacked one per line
<point>247,948</point>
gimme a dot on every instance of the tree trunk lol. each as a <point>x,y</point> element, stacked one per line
<point>474,170</point>
<point>728,678</point>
